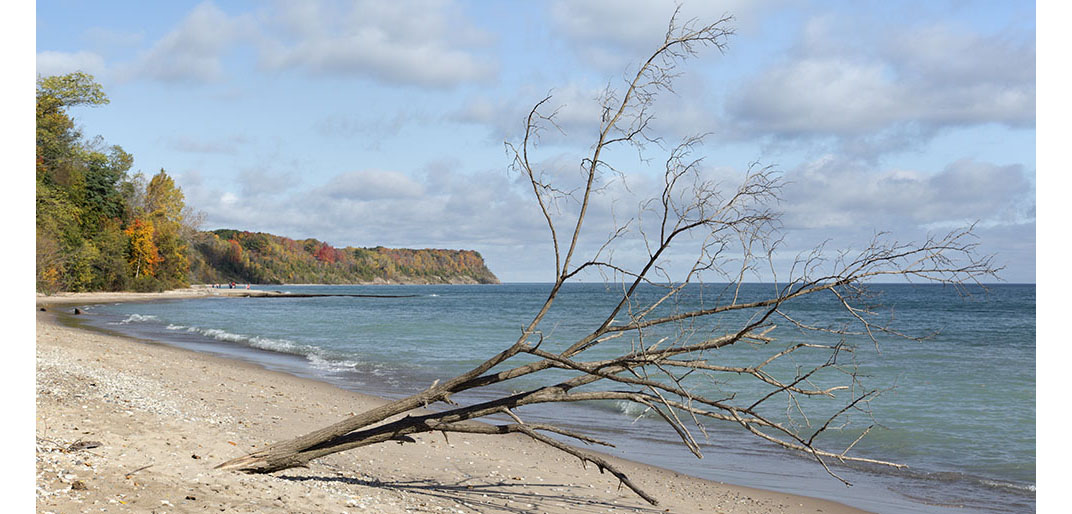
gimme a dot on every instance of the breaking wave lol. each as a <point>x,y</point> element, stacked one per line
<point>1027,488</point>
<point>317,357</point>
<point>137,318</point>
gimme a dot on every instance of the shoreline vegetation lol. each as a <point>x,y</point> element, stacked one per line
<point>128,426</point>
<point>100,227</point>
<point>240,256</point>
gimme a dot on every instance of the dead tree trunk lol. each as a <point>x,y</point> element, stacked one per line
<point>649,367</point>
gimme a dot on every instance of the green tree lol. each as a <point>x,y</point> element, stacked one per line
<point>78,88</point>
<point>111,266</point>
<point>164,200</point>
<point>57,136</point>
<point>79,191</point>
<point>105,172</point>
<point>57,233</point>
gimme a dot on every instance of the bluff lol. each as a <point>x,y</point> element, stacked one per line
<point>255,257</point>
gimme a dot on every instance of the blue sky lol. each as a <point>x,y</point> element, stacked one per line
<point>382,123</point>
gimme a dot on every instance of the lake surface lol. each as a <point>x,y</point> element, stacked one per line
<point>958,408</point>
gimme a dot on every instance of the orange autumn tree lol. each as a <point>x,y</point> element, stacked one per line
<point>143,254</point>
<point>164,207</point>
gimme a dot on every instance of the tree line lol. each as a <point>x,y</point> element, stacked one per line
<point>231,255</point>
<point>102,228</point>
<point>99,227</point>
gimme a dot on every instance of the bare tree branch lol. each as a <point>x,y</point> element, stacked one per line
<point>668,340</point>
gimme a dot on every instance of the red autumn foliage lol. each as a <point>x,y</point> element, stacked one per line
<point>327,253</point>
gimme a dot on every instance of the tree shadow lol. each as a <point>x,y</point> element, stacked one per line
<point>502,496</point>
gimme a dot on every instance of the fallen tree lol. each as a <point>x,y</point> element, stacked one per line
<point>650,347</point>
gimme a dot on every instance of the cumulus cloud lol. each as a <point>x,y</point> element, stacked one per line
<point>842,204</point>
<point>578,111</point>
<point>837,193</point>
<point>60,63</point>
<point>817,95</point>
<point>941,54</point>
<point>402,42</point>
<point>575,106</point>
<point>612,33</point>
<point>371,185</point>
<point>931,77</point>
<point>192,51</point>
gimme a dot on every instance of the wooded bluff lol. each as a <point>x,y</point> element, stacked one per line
<point>256,257</point>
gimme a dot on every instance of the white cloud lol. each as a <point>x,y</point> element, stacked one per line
<point>613,33</point>
<point>401,42</point>
<point>942,54</point>
<point>836,193</point>
<point>818,95</point>
<point>576,107</point>
<point>371,185</point>
<point>192,52</point>
<point>630,24</point>
<point>60,63</point>
<point>932,77</point>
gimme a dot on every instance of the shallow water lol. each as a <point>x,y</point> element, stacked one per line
<point>958,409</point>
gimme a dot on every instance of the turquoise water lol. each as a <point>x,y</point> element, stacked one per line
<point>958,409</point>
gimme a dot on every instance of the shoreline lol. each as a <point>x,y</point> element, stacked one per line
<point>141,402</point>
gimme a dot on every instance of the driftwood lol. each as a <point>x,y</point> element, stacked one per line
<point>660,351</point>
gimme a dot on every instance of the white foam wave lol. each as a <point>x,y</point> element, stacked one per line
<point>315,355</point>
<point>312,353</point>
<point>279,345</point>
<point>1006,485</point>
<point>264,343</point>
<point>631,409</point>
<point>138,318</point>
<point>324,364</point>
<point>223,335</point>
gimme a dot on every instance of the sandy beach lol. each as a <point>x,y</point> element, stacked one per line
<point>133,426</point>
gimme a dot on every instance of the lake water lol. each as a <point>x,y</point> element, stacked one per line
<point>958,408</point>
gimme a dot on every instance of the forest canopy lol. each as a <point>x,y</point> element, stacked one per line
<point>98,226</point>
<point>102,228</point>
<point>231,255</point>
